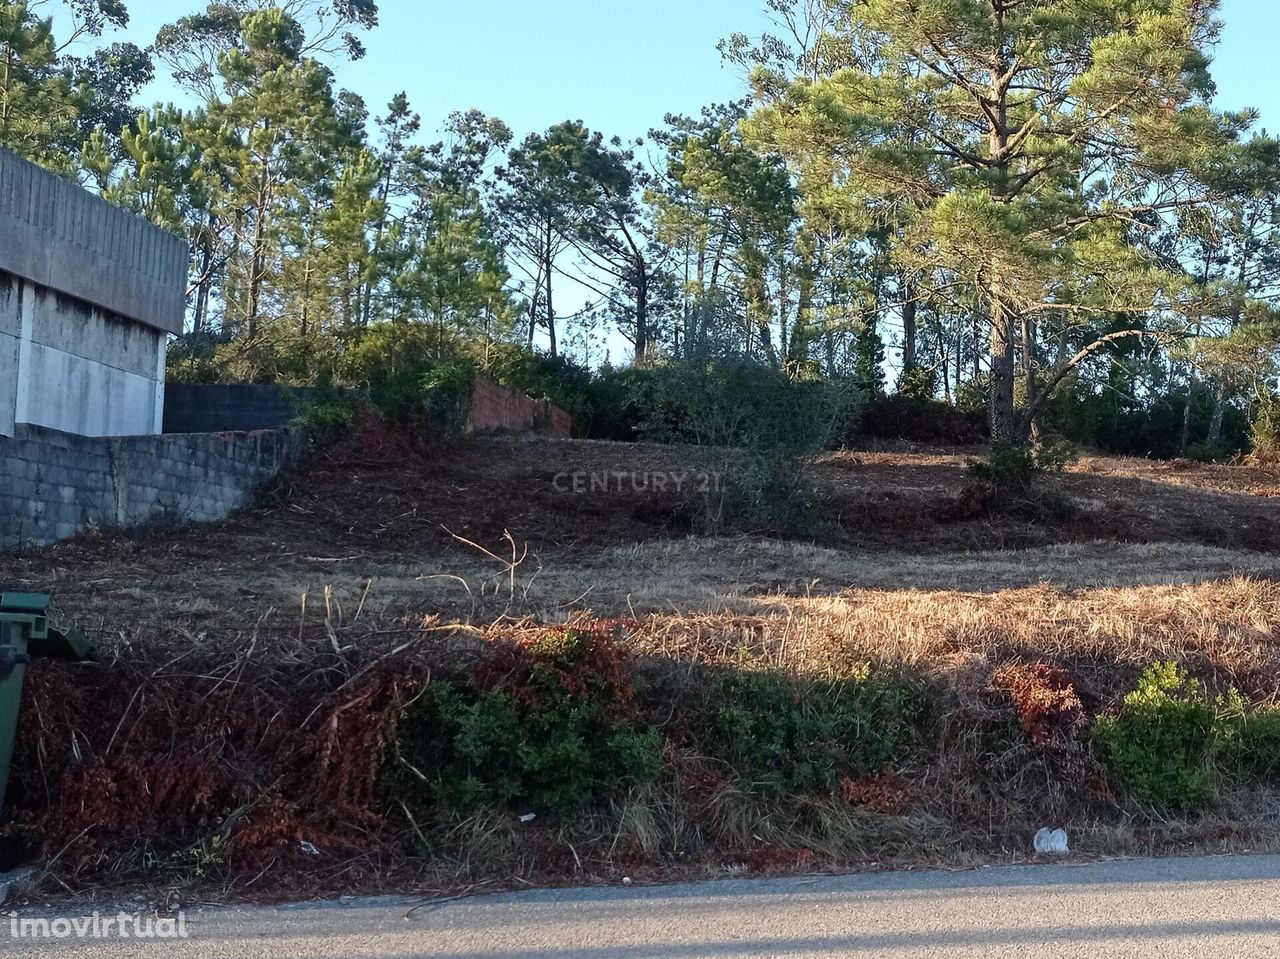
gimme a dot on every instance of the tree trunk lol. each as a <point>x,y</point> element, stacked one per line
<point>642,314</point>
<point>1003,427</point>
<point>1031,427</point>
<point>908,325</point>
<point>1214,436</point>
<point>547,266</point>
<point>1185,438</point>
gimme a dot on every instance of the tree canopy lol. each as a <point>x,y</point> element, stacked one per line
<point>1029,205</point>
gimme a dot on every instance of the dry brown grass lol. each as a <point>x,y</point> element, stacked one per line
<point>1162,561</point>
<point>1231,623</point>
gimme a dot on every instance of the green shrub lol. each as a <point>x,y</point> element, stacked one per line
<point>1008,478</point>
<point>1006,466</point>
<point>552,734</point>
<point>446,394</point>
<point>766,430</point>
<point>327,415</point>
<point>1160,748</point>
<point>1248,741</point>
<point>783,735</point>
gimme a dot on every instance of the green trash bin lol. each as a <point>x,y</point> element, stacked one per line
<point>24,633</point>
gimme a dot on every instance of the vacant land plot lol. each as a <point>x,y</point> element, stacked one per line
<point>247,675</point>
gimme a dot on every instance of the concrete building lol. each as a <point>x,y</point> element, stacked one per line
<point>88,296</point>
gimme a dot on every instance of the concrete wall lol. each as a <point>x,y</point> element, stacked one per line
<point>52,485</point>
<point>70,366</point>
<point>206,407</point>
<point>66,239</point>
<point>496,408</point>
<point>88,297</point>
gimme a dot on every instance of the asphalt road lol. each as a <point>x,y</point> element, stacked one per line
<point>1205,908</point>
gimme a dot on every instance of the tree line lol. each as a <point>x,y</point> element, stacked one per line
<point>1031,208</point>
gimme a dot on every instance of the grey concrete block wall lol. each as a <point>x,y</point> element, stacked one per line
<point>53,484</point>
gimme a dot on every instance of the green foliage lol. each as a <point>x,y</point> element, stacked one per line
<point>1160,748</point>
<point>768,428</point>
<point>406,373</point>
<point>1172,744</point>
<point>1142,415</point>
<point>1248,741</point>
<point>553,736</point>
<point>918,382</point>
<point>328,414</point>
<point>1006,467</point>
<point>782,735</point>
<point>904,417</point>
<point>447,389</point>
<point>783,230</point>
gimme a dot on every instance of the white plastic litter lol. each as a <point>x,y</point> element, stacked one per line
<point>1052,842</point>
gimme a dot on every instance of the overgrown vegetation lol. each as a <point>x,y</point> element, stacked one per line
<point>1172,745</point>
<point>768,704</point>
<point>782,736</point>
<point>1160,747</point>
<point>547,726</point>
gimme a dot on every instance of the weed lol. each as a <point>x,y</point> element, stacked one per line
<point>1160,746</point>
<point>783,735</point>
<point>544,728</point>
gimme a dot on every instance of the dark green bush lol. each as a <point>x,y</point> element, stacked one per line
<point>550,731</point>
<point>783,735</point>
<point>906,417</point>
<point>327,414</point>
<point>1007,467</point>
<point>1160,748</point>
<point>1012,469</point>
<point>1248,741</point>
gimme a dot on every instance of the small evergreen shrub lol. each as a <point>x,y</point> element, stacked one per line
<point>546,728</point>
<point>1006,466</point>
<point>783,735</point>
<point>327,415</point>
<point>1160,748</point>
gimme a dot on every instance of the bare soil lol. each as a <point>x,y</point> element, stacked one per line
<point>258,643</point>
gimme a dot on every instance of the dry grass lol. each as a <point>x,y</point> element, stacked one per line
<point>1228,630</point>
<point>356,559</point>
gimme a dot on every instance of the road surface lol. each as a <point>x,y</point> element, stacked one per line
<point>1202,908</point>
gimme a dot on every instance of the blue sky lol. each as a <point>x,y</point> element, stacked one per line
<point>620,66</point>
